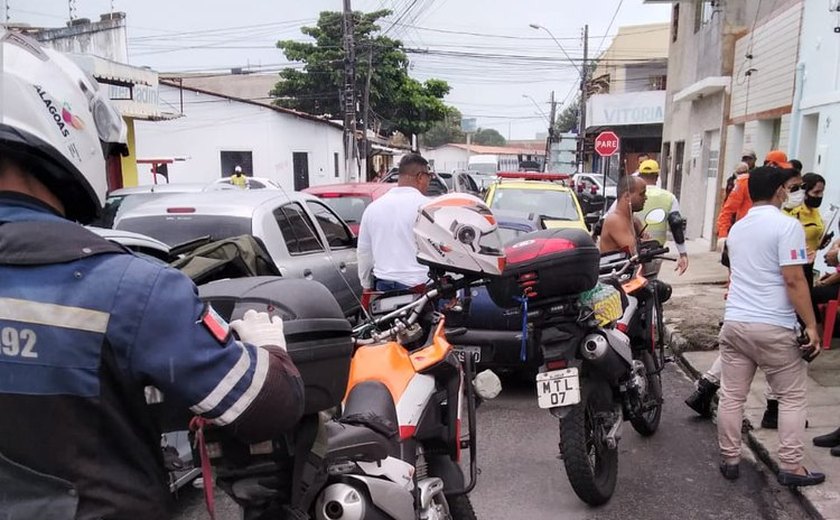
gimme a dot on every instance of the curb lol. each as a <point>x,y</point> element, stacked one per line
<point>677,343</point>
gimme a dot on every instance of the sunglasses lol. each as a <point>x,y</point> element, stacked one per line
<point>794,188</point>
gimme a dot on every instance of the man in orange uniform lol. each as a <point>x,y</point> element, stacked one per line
<point>739,203</point>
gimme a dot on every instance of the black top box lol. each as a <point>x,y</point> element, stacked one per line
<point>545,265</point>
<point>318,337</point>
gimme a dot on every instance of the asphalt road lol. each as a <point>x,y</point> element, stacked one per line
<point>670,475</point>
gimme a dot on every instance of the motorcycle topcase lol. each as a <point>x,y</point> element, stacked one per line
<point>545,265</point>
<point>318,337</point>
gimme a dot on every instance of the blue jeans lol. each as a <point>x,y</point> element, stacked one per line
<point>388,286</point>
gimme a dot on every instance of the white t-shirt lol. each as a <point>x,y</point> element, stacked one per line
<point>386,238</point>
<point>760,244</point>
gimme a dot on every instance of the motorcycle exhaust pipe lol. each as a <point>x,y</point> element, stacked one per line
<point>597,349</point>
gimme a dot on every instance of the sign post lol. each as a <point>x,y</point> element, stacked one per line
<point>606,145</point>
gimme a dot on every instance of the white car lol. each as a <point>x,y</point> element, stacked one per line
<point>254,183</point>
<point>596,179</point>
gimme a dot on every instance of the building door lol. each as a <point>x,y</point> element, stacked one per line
<point>665,166</point>
<point>300,167</point>
<point>713,138</point>
<point>679,154</point>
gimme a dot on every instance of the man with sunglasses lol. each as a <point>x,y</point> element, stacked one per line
<point>387,252</point>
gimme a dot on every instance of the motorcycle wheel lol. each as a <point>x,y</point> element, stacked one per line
<point>460,508</point>
<point>591,467</point>
<point>647,423</point>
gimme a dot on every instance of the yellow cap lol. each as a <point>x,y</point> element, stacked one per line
<point>649,167</point>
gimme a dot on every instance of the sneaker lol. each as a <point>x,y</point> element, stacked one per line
<point>730,471</point>
<point>701,399</point>
<point>790,479</point>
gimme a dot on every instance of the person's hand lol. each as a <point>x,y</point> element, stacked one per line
<point>721,243</point>
<point>812,255</point>
<point>831,256</point>
<point>682,265</point>
<point>813,344</point>
<point>258,329</point>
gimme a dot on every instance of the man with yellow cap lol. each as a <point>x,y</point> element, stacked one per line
<point>661,212</point>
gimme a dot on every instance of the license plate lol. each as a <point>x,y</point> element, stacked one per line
<point>558,388</point>
<point>462,353</point>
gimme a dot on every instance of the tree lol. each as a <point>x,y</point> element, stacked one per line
<point>567,121</point>
<point>397,101</point>
<point>488,137</point>
<point>448,130</point>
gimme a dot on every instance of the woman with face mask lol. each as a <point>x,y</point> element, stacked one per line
<point>803,201</point>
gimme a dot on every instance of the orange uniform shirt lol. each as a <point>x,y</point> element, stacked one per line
<point>735,207</point>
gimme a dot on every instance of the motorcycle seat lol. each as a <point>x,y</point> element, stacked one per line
<point>370,404</point>
<point>356,443</point>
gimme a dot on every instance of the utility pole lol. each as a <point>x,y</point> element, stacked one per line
<point>365,115</point>
<point>349,93</point>
<point>550,140</point>
<point>584,83</point>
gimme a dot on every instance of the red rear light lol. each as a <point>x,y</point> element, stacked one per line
<point>557,364</point>
<point>330,195</point>
<point>593,190</point>
<point>180,210</point>
<point>530,249</point>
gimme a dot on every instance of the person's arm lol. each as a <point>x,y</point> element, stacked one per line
<point>729,210</point>
<point>791,251</point>
<point>178,344</point>
<point>364,255</point>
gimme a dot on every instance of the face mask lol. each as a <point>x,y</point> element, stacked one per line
<point>794,199</point>
<point>813,202</point>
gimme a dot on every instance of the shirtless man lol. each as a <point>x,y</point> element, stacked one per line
<point>620,228</point>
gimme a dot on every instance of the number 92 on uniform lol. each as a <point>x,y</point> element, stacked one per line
<point>558,388</point>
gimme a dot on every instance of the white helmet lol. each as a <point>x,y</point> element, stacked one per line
<point>238,169</point>
<point>458,233</point>
<point>57,124</point>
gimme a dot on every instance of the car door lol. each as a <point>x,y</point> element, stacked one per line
<point>341,244</point>
<point>302,253</point>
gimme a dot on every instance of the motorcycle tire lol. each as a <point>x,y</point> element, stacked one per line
<point>647,423</point>
<point>460,507</point>
<point>591,467</point>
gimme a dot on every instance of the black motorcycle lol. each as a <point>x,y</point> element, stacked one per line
<point>598,322</point>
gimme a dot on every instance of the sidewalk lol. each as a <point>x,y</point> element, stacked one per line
<point>692,318</point>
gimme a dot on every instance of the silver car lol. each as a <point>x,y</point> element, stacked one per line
<point>304,237</point>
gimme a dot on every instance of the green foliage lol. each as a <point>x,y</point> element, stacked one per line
<point>397,101</point>
<point>489,137</point>
<point>447,130</point>
<point>568,119</point>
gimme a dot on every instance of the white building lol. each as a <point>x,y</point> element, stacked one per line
<point>814,128</point>
<point>455,156</point>
<point>218,132</point>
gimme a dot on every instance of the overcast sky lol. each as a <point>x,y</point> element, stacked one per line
<point>198,35</point>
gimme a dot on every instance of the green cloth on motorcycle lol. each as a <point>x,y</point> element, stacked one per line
<point>234,257</point>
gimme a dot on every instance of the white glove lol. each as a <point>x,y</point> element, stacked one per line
<point>258,329</point>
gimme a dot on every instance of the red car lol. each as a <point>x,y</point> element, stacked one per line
<point>350,200</point>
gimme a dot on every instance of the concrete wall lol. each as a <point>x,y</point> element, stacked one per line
<point>212,124</point>
<point>447,158</point>
<point>106,38</point>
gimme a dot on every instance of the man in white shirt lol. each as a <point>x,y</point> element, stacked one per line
<point>767,291</point>
<point>387,252</point>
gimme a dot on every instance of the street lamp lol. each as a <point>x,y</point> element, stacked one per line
<point>583,85</point>
<point>542,113</point>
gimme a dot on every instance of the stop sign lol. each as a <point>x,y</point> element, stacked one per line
<point>606,144</point>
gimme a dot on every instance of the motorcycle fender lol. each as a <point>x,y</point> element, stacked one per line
<point>449,471</point>
<point>391,498</point>
<point>561,412</point>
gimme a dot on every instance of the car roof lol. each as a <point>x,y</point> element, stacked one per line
<point>374,189</point>
<point>531,185</point>
<point>184,187</point>
<point>231,203</point>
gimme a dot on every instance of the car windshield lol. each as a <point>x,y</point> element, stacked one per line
<point>554,204</point>
<point>350,209</point>
<point>177,229</point>
<point>485,168</point>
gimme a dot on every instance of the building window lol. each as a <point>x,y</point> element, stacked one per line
<point>658,82</point>
<point>335,163</point>
<point>231,159</point>
<point>704,11</point>
<point>675,23</point>
<point>777,134</point>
